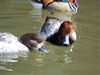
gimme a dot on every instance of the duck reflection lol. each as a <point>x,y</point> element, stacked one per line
<point>10,58</point>
<point>40,60</point>
<point>36,13</point>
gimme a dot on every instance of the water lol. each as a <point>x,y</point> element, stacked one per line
<point>19,17</point>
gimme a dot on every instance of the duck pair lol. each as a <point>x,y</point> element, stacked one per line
<point>54,30</point>
<point>59,5</point>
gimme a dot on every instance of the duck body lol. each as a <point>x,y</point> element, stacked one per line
<point>10,43</point>
<point>59,5</point>
<point>50,27</point>
<point>26,43</point>
<point>50,32</point>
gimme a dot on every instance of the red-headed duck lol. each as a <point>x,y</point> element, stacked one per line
<point>59,5</point>
<point>58,32</point>
<point>26,43</point>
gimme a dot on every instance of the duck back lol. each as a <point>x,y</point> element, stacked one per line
<point>10,43</point>
<point>50,27</point>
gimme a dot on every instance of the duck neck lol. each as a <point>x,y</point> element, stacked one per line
<point>70,34</point>
<point>61,34</point>
<point>30,49</point>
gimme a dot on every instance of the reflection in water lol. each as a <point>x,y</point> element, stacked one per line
<point>62,15</point>
<point>36,13</point>
<point>71,48</point>
<point>10,58</point>
<point>39,60</point>
<point>5,68</point>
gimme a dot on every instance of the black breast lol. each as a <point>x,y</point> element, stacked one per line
<point>55,39</point>
<point>58,40</point>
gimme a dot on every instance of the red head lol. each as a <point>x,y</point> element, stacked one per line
<point>66,28</point>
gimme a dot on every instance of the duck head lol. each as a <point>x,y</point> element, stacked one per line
<point>65,31</point>
<point>33,41</point>
<point>66,28</point>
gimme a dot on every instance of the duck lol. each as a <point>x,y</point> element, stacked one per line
<point>57,31</point>
<point>59,5</point>
<point>28,42</point>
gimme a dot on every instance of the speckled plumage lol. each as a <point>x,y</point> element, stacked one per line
<point>26,43</point>
<point>10,43</point>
